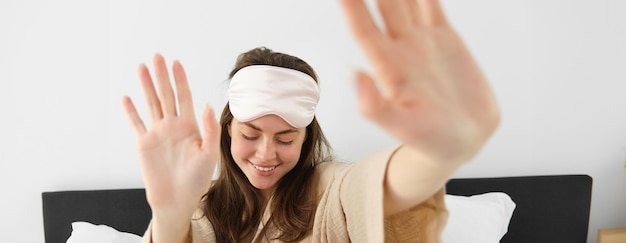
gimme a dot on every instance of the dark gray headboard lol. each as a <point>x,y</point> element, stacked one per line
<point>124,209</point>
<point>549,208</point>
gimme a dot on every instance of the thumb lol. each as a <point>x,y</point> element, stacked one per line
<point>212,130</point>
<point>371,102</point>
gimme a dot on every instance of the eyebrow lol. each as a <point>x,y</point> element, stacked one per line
<point>292,130</point>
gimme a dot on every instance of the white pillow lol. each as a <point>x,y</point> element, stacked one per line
<point>482,218</point>
<point>83,232</point>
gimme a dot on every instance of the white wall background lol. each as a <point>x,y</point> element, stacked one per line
<point>557,68</point>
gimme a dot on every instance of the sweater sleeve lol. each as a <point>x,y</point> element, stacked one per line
<point>362,202</point>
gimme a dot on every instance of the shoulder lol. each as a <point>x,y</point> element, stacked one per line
<point>375,161</point>
<point>332,168</point>
<point>330,172</point>
<point>332,165</point>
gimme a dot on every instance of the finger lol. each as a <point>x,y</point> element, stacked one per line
<point>413,12</point>
<point>371,102</point>
<point>168,103</point>
<point>432,13</point>
<point>185,101</point>
<point>362,25</point>
<point>212,130</point>
<point>154,104</point>
<point>396,16</point>
<point>133,117</point>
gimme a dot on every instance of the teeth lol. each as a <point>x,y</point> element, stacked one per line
<point>264,168</point>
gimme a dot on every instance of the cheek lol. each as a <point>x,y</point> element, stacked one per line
<point>289,154</point>
<point>292,153</point>
<point>241,148</point>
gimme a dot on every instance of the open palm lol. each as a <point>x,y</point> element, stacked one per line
<point>433,95</point>
<point>177,163</point>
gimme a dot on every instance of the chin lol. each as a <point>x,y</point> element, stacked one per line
<point>263,185</point>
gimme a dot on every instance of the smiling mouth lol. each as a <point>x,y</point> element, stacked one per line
<point>264,169</point>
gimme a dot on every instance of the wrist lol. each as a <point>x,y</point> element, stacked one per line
<point>171,229</point>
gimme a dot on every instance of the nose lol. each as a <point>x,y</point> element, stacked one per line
<point>266,150</point>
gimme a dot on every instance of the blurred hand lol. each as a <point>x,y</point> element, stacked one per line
<point>433,95</point>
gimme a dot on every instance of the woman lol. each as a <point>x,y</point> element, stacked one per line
<point>273,186</point>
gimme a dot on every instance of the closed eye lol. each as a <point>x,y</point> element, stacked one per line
<point>285,142</point>
<point>248,138</point>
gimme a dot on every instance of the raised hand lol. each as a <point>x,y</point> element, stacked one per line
<point>177,163</point>
<point>433,95</point>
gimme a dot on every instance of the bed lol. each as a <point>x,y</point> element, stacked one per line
<point>550,208</point>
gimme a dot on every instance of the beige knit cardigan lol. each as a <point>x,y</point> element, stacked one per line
<point>351,209</point>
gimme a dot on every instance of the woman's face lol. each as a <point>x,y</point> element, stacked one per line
<point>265,149</point>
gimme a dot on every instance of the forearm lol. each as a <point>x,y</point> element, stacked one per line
<point>412,177</point>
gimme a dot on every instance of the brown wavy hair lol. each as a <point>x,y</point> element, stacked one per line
<point>233,205</point>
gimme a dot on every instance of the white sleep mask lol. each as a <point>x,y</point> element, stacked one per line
<point>260,90</point>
